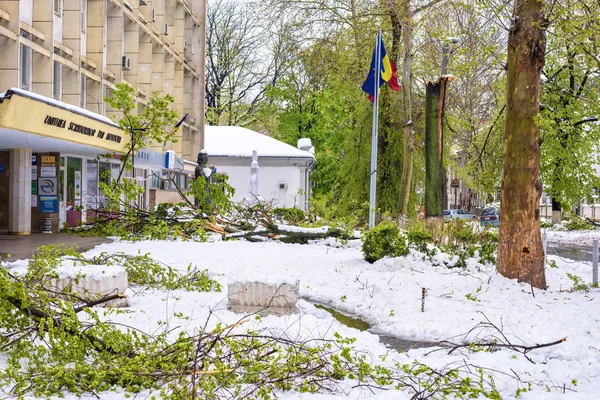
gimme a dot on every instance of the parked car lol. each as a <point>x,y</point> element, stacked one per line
<point>490,216</point>
<point>458,214</point>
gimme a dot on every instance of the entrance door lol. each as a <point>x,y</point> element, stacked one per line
<point>74,190</point>
<point>62,193</point>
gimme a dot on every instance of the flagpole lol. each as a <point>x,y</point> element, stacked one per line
<point>373,186</point>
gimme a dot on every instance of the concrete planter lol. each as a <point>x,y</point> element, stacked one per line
<point>252,297</point>
<point>92,282</point>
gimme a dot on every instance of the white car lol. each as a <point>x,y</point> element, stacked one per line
<point>458,214</point>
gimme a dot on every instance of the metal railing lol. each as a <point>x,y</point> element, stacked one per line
<point>594,257</point>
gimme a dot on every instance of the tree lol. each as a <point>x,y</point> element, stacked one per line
<point>570,104</point>
<point>520,252</point>
<point>151,124</point>
<point>403,19</point>
<point>242,62</point>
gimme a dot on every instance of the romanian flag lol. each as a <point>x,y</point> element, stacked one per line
<point>179,124</point>
<point>388,72</point>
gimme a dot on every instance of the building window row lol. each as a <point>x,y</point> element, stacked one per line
<point>25,59</point>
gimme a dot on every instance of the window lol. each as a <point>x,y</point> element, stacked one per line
<point>155,181</point>
<point>104,176</point>
<point>91,197</point>
<point>57,83</point>
<point>58,7</point>
<point>83,92</point>
<point>103,107</point>
<point>182,181</point>
<point>25,58</point>
<point>83,15</point>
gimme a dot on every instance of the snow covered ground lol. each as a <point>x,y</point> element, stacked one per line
<point>387,295</point>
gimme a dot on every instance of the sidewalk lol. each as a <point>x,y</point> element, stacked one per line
<point>21,247</point>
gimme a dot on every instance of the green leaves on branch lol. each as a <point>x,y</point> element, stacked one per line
<point>145,271</point>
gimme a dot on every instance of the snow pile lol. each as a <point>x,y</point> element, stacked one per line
<point>388,296</point>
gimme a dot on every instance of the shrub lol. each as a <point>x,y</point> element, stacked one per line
<point>489,246</point>
<point>545,223</point>
<point>419,237</point>
<point>383,240</point>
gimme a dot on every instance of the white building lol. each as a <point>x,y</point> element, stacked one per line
<point>284,171</point>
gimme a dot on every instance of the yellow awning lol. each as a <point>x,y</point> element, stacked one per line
<point>22,111</point>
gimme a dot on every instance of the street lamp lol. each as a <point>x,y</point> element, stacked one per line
<point>446,52</point>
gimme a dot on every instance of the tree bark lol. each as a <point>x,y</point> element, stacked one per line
<point>409,134</point>
<point>520,252</point>
<point>435,99</point>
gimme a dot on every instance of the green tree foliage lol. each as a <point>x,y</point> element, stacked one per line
<point>570,103</point>
<point>152,124</point>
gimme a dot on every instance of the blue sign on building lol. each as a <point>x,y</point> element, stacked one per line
<point>48,204</point>
<point>1,168</point>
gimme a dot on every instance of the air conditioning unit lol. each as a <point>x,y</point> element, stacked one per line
<point>126,63</point>
<point>166,28</point>
<point>185,44</point>
<point>153,15</point>
<point>143,2</point>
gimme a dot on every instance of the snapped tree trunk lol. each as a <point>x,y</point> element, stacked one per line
<point>520,252</point>
<point>435,99</point>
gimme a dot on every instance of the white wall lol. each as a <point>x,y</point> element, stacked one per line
<point>269,178</point>
<point>26,11</point>
<point>57,26</point>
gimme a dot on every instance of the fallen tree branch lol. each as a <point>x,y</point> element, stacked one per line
<point>495,340</point>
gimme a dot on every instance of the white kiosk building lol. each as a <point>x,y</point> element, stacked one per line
<point>284,170</point>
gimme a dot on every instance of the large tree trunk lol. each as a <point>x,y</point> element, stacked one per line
<point>409,147</point>
<point>520,252</point>
<point>556,212</point>
<point>435,99</point>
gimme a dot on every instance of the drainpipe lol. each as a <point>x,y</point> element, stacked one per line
<point>307,184</point>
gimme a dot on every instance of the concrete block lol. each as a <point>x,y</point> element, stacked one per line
<point>92,282</point>
<point>251,297</point>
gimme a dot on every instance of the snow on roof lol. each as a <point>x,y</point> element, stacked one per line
<point>60,104</point>
<point>235,141</point>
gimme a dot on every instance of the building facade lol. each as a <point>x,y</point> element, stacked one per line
<point>60,60</point>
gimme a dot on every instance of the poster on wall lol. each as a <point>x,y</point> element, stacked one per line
<point>48,171</point>
<point>34,174</point>
<point>48,204</point>
<point>34,159</point>
<point>34,187</point>
<point>77,185</point>
<point>47,186</point>
<point>48,160</point>
<point>33,200</point>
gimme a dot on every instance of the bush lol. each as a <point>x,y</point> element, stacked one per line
<point>419,237</point>
<point>545,223</point>
<point>489,246</point>
<point>383,240</point>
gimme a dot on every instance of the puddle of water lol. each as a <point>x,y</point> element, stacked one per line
<point>395,343</point>
<point>344,319</point>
